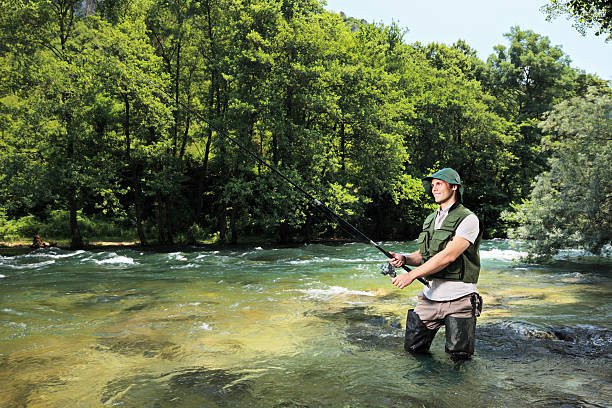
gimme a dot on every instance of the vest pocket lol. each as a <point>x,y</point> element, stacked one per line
<point>439,239</point>
<point>422,240</point>
<point>454,270</point>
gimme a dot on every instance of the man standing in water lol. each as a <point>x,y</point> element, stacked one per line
<point>448,257</point>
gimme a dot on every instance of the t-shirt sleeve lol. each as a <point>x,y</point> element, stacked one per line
<point>468,228</point>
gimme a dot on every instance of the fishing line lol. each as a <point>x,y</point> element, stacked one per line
<point>385,269</point>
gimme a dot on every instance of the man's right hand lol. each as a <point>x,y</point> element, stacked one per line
<point>397,260</point>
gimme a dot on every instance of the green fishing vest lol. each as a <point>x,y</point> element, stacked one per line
<point>466,267</point>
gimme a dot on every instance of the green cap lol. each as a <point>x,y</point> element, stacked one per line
<point>447,174</point>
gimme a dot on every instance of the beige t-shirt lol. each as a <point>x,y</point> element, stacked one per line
<point>442,289</point>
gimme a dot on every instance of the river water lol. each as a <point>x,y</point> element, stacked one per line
<point>307,326</point>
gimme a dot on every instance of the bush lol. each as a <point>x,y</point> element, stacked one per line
<point>15,229</point>
<point>57,226</point>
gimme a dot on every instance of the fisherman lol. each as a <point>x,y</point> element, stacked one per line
<point>449,259</point>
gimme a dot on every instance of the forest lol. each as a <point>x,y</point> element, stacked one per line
<point>117,119</point>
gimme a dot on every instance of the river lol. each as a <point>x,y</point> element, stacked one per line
<point>307,326</point>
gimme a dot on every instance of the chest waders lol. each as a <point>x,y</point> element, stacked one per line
<point>460,332</point>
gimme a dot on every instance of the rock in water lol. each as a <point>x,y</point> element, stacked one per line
<point>37,242</point>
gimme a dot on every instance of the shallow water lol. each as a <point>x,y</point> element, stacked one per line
<point>310,326</point>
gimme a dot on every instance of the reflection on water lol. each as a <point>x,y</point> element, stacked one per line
<point>311,326</point>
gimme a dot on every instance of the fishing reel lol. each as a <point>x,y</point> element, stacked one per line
<point>388,269</point>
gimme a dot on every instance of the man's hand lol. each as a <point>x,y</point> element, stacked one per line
<point>402,280</point>
<point>397,260</point>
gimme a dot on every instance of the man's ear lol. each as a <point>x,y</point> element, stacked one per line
<point>454,187</point>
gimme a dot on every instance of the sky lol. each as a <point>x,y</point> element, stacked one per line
<point>482,24</point>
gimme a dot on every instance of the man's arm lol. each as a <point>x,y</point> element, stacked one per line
<point>435,264</point>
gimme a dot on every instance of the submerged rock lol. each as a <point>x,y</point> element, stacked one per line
<point>520,337</point>
<point>213,384</point>
<point>358,314</point>
<point>369,331</point>
<point>199,386</point>
<point>135,345</point>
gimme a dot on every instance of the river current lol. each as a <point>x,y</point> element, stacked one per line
<point>307,326</point>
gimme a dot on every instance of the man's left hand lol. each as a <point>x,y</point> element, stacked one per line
<point>402,280</point>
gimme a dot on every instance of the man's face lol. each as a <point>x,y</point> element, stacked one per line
<point>442,191</point>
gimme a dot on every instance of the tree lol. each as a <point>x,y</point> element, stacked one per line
<point>531,72</point>
<point>42,32</point>
<point>586,14</point>
<point>570,206</point>
<point>130,76</point>
<point>456,125</point>
<point>527,79</point>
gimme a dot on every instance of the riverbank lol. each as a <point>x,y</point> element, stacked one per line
<point>20,247</point>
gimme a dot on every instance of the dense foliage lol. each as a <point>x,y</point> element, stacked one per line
<point>117,110</point>
<point>570,206</point>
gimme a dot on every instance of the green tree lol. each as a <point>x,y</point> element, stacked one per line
<point>457,125</point>
<point>527,79</point>
<point>131,77</point>
<point>531,74</point>
<point>570,206</point>
<point>42,32</point>
<point>174,34</point>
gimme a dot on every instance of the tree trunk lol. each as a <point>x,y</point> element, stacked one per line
<point>177,78</point>
<point>342,146</point>
<point>202,179</point>
<point>75,233</point>
<point>126,127</point>
<point>234,225</point>
<point>222,223</point>
<point>284,232</point>
<point>200,196</point>
<point>159,218</point>
<point>133,171</point>
<point>213,88</point>
<point>168,218</point>
<point>187,113</point>
<point>138,206</point>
